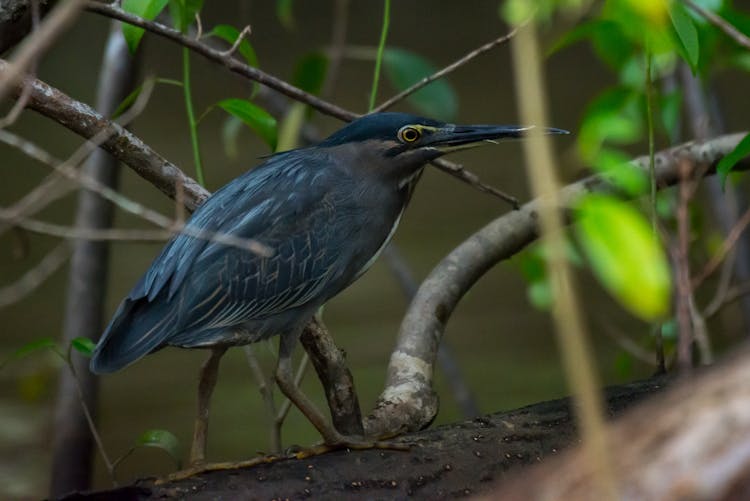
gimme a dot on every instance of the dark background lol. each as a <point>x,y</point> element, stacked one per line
<point>506,348</point>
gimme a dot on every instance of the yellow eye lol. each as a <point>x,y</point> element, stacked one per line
<point>409,134</point>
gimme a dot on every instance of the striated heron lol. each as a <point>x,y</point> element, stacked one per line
<point>325,212</point>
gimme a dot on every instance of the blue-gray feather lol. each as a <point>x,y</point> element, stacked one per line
<point>200,292</point>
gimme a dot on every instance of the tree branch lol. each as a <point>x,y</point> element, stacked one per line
<point>120,143</point>
<point>409,400</point>
<point>448,69</point>
<point>227,60</point>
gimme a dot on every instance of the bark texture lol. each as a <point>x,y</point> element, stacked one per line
<point>445,462</point>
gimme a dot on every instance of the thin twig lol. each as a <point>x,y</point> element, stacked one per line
<point>265,386</point>
<point>275,83</point>
<point>458,171</point>
<point>50,189</point>
<point>228,62</point>
<point>92,426</point>
<point>379,57</point>
<point>724,249</point>
<point>287,404</point>
<point>245,33</point>
<point>720,23</point>
<point>725,282</point>
<point>68,171</point>
<point>732,294</point>
<point>682,272</point>
<point>338,41</point>
<point>36,276</point>
<point>31,48</point>
<point>109,234</point>
<point>448,69</point>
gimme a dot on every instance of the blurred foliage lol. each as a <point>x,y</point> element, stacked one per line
<point>625,254</point>
<point>163,440</point>
<point>404,68</point>
<point>642,42</point>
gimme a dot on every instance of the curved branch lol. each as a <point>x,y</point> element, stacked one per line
<point>226,59</point>
<point>409,400</point>
<point>120,143</point>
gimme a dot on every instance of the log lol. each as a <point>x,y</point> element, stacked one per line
<point>459,459</point>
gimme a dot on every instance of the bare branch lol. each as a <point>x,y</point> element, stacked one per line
<point>225,60</point>
<point>448,69</point>
<point>275,83</point>
<point>31,48</point>
<point>36,276</point>
<point>726,246</point>
<point>720,23</point>
<point>409,400</point>
<point>120,143</point>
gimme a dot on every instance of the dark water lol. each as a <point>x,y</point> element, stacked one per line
<point>504,346</point>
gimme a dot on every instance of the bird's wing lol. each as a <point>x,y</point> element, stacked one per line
<point>197,286</point>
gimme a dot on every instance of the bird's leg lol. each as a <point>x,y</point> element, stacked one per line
<point>285,380</point>
<point>206,385</point>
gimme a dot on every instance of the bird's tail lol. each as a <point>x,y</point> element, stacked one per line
<point>138,328</point>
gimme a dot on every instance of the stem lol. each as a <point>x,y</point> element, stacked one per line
<point>571,330</point>
<point>192,123</point>
<point>650,122</point>
<point>659,342</point>
<point>381,48</point>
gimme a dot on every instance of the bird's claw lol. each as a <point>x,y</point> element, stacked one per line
<point>198,468</point>
<point>354,443</point>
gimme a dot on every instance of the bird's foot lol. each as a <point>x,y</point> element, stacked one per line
<point>203,467</point>
<point>348,442</point>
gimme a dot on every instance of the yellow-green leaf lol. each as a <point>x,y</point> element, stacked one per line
<point>625,255</point>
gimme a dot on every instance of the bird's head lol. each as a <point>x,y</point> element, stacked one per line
<point>396,145</point>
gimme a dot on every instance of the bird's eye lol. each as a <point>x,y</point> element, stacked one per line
<point>409,134</point>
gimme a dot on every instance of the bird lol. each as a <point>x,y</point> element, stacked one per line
<point>324,212</point>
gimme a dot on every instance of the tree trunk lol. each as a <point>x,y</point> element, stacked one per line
<point>72,445</point>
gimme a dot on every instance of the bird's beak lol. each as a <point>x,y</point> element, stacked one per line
<point>455,137</point>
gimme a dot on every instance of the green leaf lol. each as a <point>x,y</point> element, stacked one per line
<point>625,255</point>
<point>686,33</point>
<point>612,116</point>
<point>284,13</point>
<point>727,163</point>
<point>147,9</point>
<point>540,294</point>
<point>164,440</point>
<point>229,34</point>
<point>184,12</point>
<point>616,166</point>
<point>670,106</point>
<point>254,117</point>
<point>310,72</point>
<point>611,44</point>
<point>83,345</point>
<point>403,69</point>
<point>46,343</point>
